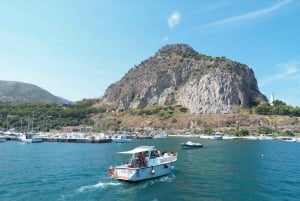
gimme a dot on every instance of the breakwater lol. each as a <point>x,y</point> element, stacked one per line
<point>73,140</point>
<point>77,140</point>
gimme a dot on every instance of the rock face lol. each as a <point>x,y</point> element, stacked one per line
<point>179,75</point>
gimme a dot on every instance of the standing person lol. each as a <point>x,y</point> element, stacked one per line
<point>133,162</point>
<point>141,159</point>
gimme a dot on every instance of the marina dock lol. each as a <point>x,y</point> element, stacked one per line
<point>77,140</point>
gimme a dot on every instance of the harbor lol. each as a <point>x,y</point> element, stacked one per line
<point>121,137</point>
<point>79,137</point>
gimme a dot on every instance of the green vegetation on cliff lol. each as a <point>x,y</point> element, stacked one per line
<point>44,116</point>
<point>277,108</point>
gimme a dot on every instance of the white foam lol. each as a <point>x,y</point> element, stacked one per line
<point>97,186</point>
<point>167,179</point>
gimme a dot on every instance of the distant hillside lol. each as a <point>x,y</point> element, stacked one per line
<point>17,91</point>
<point>178,75</point>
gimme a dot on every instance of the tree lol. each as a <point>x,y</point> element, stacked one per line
<point>278,103</point>
<point>264,130</point>
<point>263,109</point>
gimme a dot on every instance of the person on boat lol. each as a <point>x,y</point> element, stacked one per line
<point>164,153</point>
<point>141,159</point>
<point>155,154</point>
<point>133,162</point>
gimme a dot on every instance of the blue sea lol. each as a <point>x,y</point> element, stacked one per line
<point>230,170</point>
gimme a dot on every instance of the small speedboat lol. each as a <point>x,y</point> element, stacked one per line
<point>121,139</point>
<point>192,144</point>
<point>146,163</point>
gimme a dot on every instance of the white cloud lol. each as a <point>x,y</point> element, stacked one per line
<point>290,68</point>
<point>174,19</point>
<point>288,72</point>
<point>285,82</point>
<point>251,15</point>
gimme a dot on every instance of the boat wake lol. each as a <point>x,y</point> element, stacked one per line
<point>168,179</point>
<point>100,185</point>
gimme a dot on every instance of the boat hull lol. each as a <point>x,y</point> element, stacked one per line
<point>2,139</point>
<point>33,140</point>
<point>211,137</point>
<point>191,146</point>
<point>36,140</point>
<point>160,136</point>
<point>145,173</point>
<point>121,140</point>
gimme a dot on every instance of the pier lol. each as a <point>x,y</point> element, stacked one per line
<point>72,140</point>
<point>77,140</point>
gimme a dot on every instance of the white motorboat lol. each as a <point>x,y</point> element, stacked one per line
<point>190,144</point>
<point>229,137</point>
<point>212,136</point>
<point>146,163</point>
<point>121,139</point>
<point>265,137</point>
<point>289,139</point>
<point>160,136</point>
<point>250,137</point>
<point>31,139</point>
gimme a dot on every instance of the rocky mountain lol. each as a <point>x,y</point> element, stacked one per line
<point>18,91</point>
<point>178,75</point>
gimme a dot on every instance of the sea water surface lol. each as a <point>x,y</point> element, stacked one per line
<point>221,170</point>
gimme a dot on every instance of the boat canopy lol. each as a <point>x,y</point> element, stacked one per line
<point>138,149</point>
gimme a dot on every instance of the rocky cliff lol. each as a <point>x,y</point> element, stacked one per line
<point>178,75</point>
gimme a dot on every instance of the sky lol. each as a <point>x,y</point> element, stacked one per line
<point>76,48</point>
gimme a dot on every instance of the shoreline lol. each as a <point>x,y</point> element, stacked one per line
<point>200,136</point>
